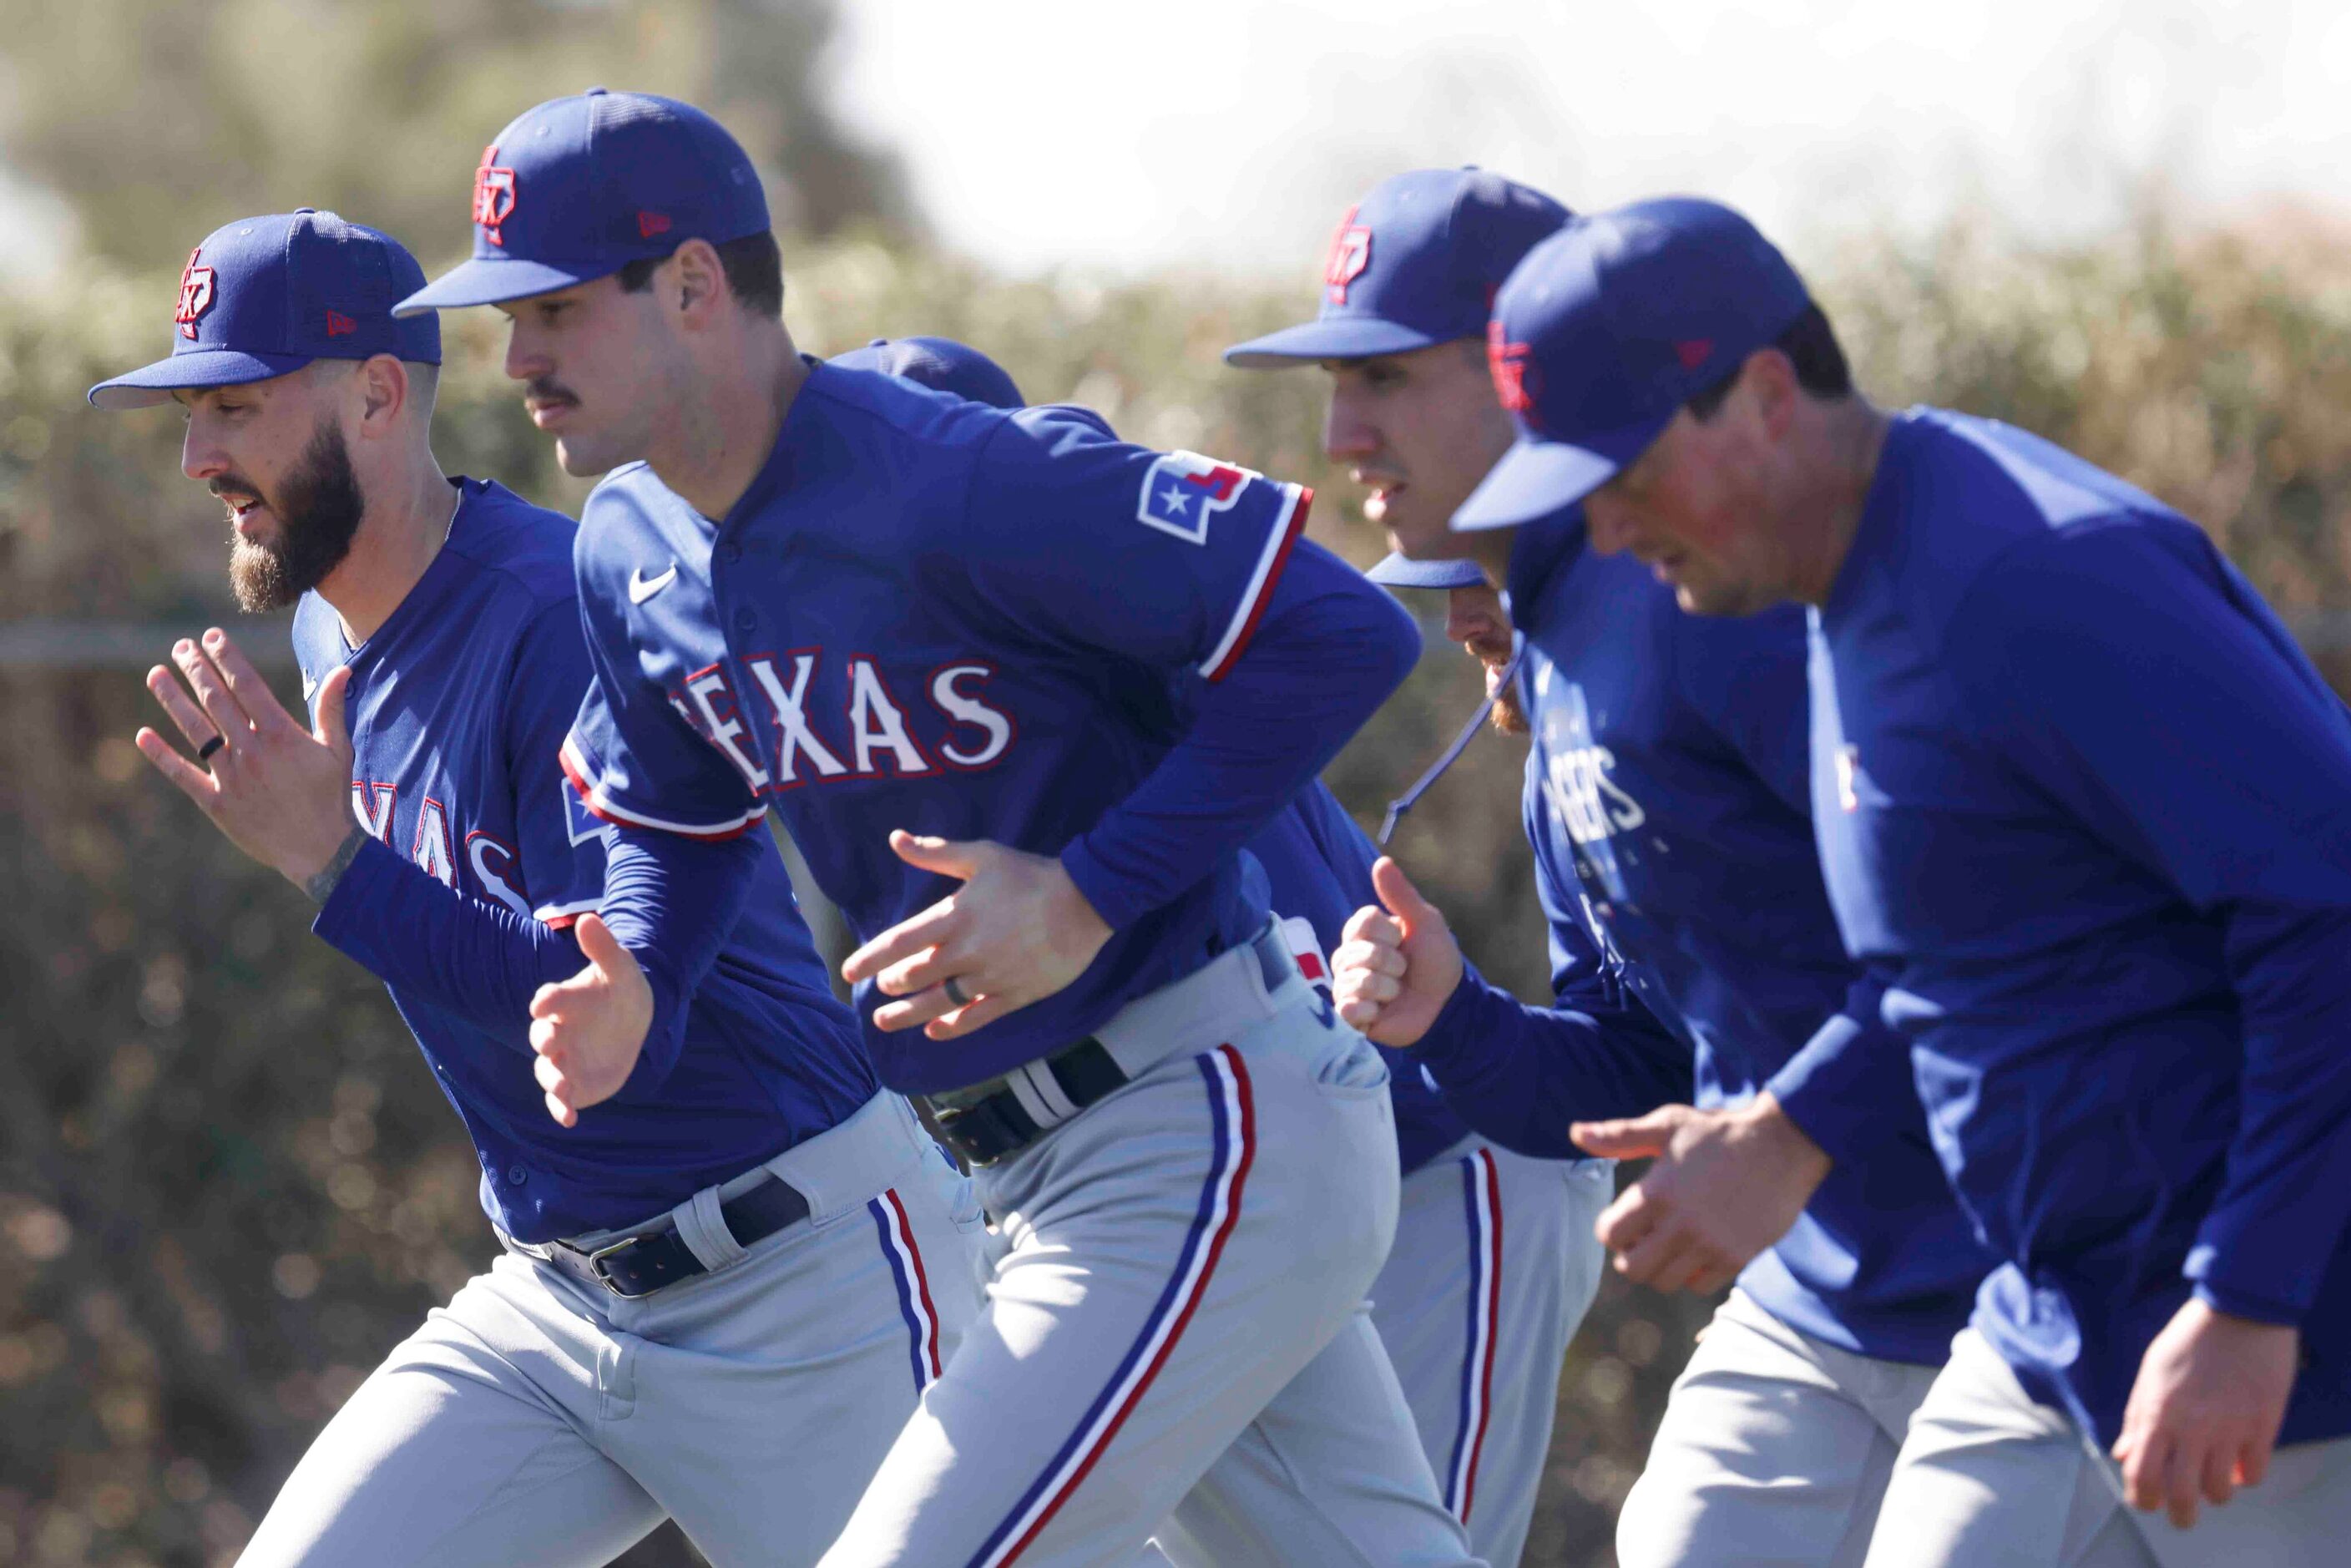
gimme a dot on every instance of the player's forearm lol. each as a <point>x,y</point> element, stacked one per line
<point>423,937</point>
<point>1330,650</point>
<point>673,902</point>
<point>2279,1223</point>
<point>1850,1087</point>
<point>1521,1075</point>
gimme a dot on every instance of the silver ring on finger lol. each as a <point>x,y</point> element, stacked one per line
<point>953,986</point>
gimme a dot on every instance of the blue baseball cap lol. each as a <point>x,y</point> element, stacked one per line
<point>580,187</point>
<point>941,364</point>
<point>1413,263</point>
<point>1607,328</point>
<point>264,296</point>
<point>1398,571</point>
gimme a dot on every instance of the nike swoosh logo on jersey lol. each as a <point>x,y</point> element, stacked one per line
<point>309,686</point>
<point>641,588</point>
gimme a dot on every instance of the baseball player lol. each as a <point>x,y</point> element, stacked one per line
<point>2087,808</point>
<point>722,1289</point>
<point>1494,1260</point>
<point>943,642</point>
<point>1666,806</point>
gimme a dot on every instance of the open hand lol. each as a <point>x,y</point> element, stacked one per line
<point>1395,967</point>
<point>1727,1183</point>
<point>1016,932</point>
<point>280,790</point>
<point>589,1029</point>
<point>2205,1410</point>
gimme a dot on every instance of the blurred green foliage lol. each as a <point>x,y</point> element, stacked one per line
<point>157,123</point>
<point>225,1185</point>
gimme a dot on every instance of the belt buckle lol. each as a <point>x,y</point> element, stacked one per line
<point>601,1272</point>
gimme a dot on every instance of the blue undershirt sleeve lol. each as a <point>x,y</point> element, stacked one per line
<point>479,960</point>
<point>1329,650</point>
<point>2138,680</point>
<point>1521,1074</point>
<point>673,902</point>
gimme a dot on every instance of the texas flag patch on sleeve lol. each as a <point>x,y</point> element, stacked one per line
<point>1183,490</point>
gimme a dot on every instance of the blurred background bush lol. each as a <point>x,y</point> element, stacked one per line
<point>226,1184</point>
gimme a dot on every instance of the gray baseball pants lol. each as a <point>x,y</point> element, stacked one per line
<point>1495,1264</point>
<point>1774,1451</point>
<point>1991,1476</point>
<point>1175,1322</point>
<point>536,1422</point>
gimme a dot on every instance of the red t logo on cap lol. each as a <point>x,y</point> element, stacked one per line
<point>1351,252</point>
<point>494,194</point>
<point>195,294</point>
<point>1510,362</point>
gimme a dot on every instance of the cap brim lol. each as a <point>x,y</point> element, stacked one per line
<point>152,384</point>
<point>1338,337</point>
<point>1398,571</point>
<point>493,279</point>
<point>1534,479</point>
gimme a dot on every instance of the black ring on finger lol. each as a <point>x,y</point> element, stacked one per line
<point>204,752</point>
<point>953,986</point>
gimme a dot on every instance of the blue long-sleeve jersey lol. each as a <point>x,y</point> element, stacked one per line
<point>2088,807</point>
<point>1668,804</point>
<point>1317,867</point>
<point>480,858</point>
<point>929,614</point>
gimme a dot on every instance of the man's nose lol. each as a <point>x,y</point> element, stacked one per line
<point>1606,524</point>
<point>199,456</point>
<point>524,359</point>
<point>1346,434</point>
<point>1462,625</point>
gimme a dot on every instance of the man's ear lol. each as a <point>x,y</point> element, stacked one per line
<point>1768,385</point>
<point>700,280</point>
<point>382,388</point>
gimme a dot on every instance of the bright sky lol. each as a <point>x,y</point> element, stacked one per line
<point>1126,136</point>
<point>1231,133</point>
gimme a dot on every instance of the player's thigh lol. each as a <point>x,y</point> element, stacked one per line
<point>762,1397</point>
<point>2301,1513</point>
<point>1494,1266</point>
<point>1331,1471</point>
<point>1987,1476</point>
<point>1765,1455</point>
<point>1178,1252</point>
<point>449,1455</point>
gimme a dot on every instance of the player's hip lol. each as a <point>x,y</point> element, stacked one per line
<point>857,1198</point>
<point>1249,1110</point>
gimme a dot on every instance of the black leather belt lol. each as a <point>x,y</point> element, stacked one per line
<point>983,1124</point>
<point>639,1265</point>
